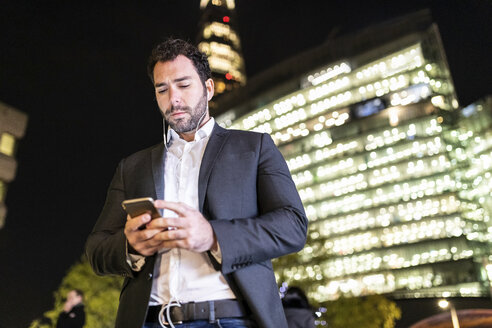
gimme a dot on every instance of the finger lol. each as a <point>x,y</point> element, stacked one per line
<point>147,245</point>
<point>183,243</point>
<point>137,237</point>
<point>146,234</point>
<point>167,223</point>
<point>133,224</point>
<point>159,223</point>
<point>171,235</point>
<point>179,208</point>
<point>148,250</point>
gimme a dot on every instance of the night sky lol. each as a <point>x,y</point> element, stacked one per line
<point>79,71</point>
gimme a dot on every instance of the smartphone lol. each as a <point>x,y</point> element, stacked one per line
<point>139,206</point>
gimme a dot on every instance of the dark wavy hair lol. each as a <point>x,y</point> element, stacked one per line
<point>171,48</point>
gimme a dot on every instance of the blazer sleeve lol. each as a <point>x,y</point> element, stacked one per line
<point>281,224</point>
<point>106,244</point>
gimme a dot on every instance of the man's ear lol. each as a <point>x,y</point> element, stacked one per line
<point>209,85</point>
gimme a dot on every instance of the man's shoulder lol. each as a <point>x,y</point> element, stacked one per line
<point>243,133</point>
<point>144,153</point>
<point>240,139</point>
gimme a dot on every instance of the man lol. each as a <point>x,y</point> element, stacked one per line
<point>73,314</point>
<point>230,207</point>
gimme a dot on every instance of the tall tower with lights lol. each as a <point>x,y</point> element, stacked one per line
<point>12,127</point>
<point>219,40</point>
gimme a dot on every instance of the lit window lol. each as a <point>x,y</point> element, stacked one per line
<point>7,143</point>
<point>220,87</point>
<point>217,3</point>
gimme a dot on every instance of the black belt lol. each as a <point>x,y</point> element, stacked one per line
<point>209,310</point>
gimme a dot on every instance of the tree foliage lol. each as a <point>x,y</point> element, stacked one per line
<point>374,311</point>
<point>101,295</point>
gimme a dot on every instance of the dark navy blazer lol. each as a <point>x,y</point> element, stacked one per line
<point>246,192</point>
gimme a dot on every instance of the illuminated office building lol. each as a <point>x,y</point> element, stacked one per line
<point>218,39</point>
<point>474,137</point>
<point>12,127</point>
<point>395,188</point>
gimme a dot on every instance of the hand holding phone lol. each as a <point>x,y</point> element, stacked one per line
<point>134,208</point>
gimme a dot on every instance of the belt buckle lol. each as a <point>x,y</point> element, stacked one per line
<point>175,312</point>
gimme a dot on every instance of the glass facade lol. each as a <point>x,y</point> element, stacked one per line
<point>395,177</point>
<point>3,191</point>
<point>7,144</point>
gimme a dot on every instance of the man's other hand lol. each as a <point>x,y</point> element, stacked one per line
<point>189,230</point>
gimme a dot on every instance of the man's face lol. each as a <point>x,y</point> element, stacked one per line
<point>73,298</point>
<point>180,94</point>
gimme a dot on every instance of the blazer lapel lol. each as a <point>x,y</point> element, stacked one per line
<point>217,140</point>
<point>158,158</point>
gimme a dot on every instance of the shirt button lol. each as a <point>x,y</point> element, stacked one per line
<point>149,276</point>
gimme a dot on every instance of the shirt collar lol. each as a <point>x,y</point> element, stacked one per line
<point>202,132</point>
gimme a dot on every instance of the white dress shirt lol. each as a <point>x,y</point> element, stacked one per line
<point>182,275</point>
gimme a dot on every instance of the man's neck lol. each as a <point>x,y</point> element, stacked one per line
<point>190,136</point>
<point>187,136</point>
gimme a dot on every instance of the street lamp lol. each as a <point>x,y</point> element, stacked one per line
<point>454,317</point>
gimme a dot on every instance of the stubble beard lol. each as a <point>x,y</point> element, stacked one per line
<point>185,124</point>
